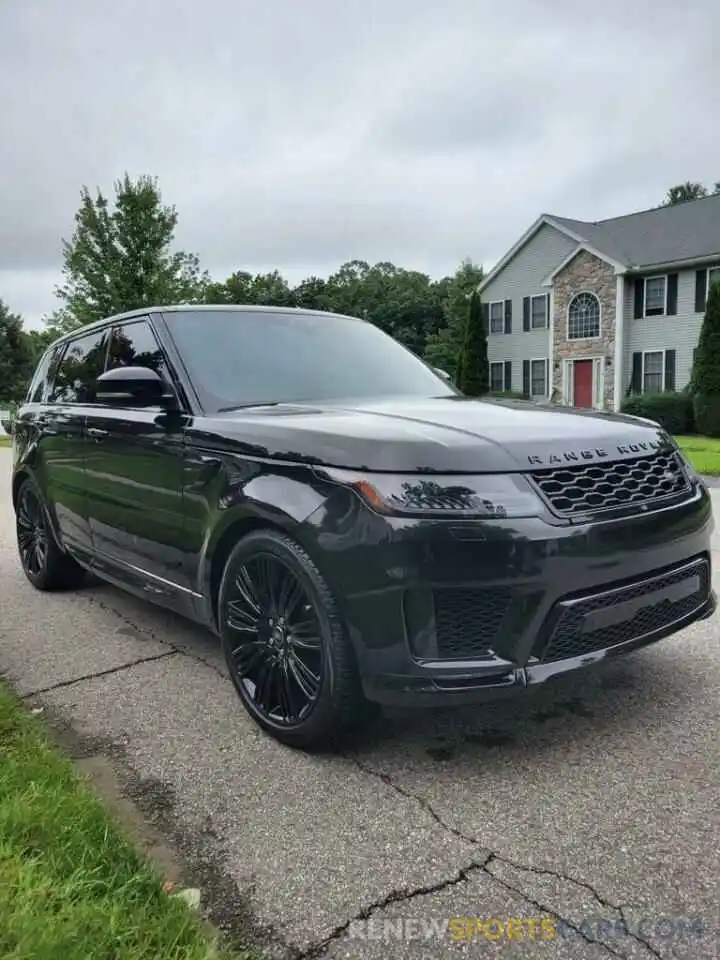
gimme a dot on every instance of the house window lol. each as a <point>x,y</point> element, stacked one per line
<point>713,276</point>
<point>497,316</point>
<point>655,294</point>
<point>653,372</point>
<point>497,377</point>
<point>538,378</point>
<point>584,317</point>
<point>538,313</point>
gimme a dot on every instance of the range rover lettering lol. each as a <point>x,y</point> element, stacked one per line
<point>354,530</point>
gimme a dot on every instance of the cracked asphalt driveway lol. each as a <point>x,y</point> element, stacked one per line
<point>595,803</point>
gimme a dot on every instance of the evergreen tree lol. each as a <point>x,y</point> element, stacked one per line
<point>706,369</point>
<point>473,375</point>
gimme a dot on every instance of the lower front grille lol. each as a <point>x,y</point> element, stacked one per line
<point>468,621</point>
<point>627,613</point>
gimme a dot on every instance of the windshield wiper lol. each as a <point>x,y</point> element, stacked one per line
<point>247,406</point>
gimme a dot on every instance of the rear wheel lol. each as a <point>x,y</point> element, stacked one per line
<point>285,646</point>
<point>45,565</point>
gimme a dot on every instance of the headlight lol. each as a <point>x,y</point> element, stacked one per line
<point>483,496</point>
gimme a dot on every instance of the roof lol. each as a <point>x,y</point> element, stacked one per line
<point>139,312</point>
<point>682,231</point>
<point>662,236</point>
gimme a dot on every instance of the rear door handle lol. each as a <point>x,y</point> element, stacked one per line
<point>97,433</point>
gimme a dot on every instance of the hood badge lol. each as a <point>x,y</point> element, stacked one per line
<point>596,453</point>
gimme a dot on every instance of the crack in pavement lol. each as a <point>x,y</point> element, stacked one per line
<point>499,858</point>
<point>98,673</point>
<point>395,896</point>
<point>183,651</point>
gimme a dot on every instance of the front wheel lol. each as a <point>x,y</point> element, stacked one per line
<point>45,565</point>
<point>285,646</point>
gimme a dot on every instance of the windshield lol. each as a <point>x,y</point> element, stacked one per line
<point>237,357</point>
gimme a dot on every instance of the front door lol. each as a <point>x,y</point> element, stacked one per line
<point>582,383</point>
<point>135,474</point>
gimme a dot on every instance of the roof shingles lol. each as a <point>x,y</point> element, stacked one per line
<point>683,231</point>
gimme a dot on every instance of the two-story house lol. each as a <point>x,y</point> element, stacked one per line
<point>581,313</point>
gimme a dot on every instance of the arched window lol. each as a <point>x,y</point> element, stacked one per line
<point>584,317</point>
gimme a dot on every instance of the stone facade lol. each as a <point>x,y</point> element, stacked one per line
<point>585,273</point>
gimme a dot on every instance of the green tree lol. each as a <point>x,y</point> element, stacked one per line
<point>472,369</point>
<point>267,289</point>
<point>16,357</point>
<point>689,190</point>
<point>311,294</point>
<point>445,344</point>
<point>706,369</point>
<point>121,258</point>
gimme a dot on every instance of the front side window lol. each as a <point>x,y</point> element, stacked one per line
<point>653,365</point>
<point>238,358</point>
<point>654,296</point>
<point>135,345</point>
<point>497,377</point>
<point>538,313</point>
<point>497,317</point>
<point>584,317</point>
<point>82,362</point>
<point>537,378</point>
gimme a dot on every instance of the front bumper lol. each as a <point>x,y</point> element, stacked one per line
<point>462,612</point>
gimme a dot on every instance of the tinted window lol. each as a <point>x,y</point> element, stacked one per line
<point>81,364</point>
<point>237,358</point>
<point>135,345</point>
<point>37,389</point>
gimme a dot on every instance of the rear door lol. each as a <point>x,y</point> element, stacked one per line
<point>135,474</point>
<point>58,423</point>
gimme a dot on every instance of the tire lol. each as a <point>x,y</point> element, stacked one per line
<point>262,652</point>
<point>45,565</point>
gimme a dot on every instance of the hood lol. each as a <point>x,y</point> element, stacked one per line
<point>441,435</point>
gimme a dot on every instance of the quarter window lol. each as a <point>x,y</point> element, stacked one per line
<point>655,296</point>
<point>497,317</point>
<point>538,313</point>
<point>584,317</point>
<point>38,386</point>
<point>653,370</point>
<point>80,365</point>
<point>537,378</point>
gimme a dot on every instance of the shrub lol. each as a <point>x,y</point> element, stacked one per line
<point>672,410</point>
<point>706,369</point>
<point>473,371</point>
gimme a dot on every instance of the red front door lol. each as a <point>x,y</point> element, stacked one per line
<point>582,383</point>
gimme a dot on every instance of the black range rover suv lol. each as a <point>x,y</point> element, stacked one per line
<point>352,528</point>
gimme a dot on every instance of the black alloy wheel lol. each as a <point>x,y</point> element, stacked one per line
<point>46,566</point>
<point>284,644</point>
<point>32,533</point>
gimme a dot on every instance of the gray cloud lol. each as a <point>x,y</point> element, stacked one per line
<point>301,135</point>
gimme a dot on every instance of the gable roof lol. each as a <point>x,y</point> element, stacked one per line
<point>664,235</point>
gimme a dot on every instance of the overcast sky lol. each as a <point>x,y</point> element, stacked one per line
<point>299,135</point>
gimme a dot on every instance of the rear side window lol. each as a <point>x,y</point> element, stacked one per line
<point>135,345</point>
<point>81,364</point>
<point>37,391</point>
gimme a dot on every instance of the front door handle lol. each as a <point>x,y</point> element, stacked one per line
<point>97,433</point>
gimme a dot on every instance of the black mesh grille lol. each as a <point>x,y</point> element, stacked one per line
<point>581,489</point>
<point>570,639</point>
<point>468,621</point>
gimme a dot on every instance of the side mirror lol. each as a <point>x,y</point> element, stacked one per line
<point>442,373</point>
<point>131,387</point>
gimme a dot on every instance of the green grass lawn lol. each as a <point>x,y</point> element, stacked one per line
<point>703,453</point>
<point>5,441</point>
<point>71,886</point>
